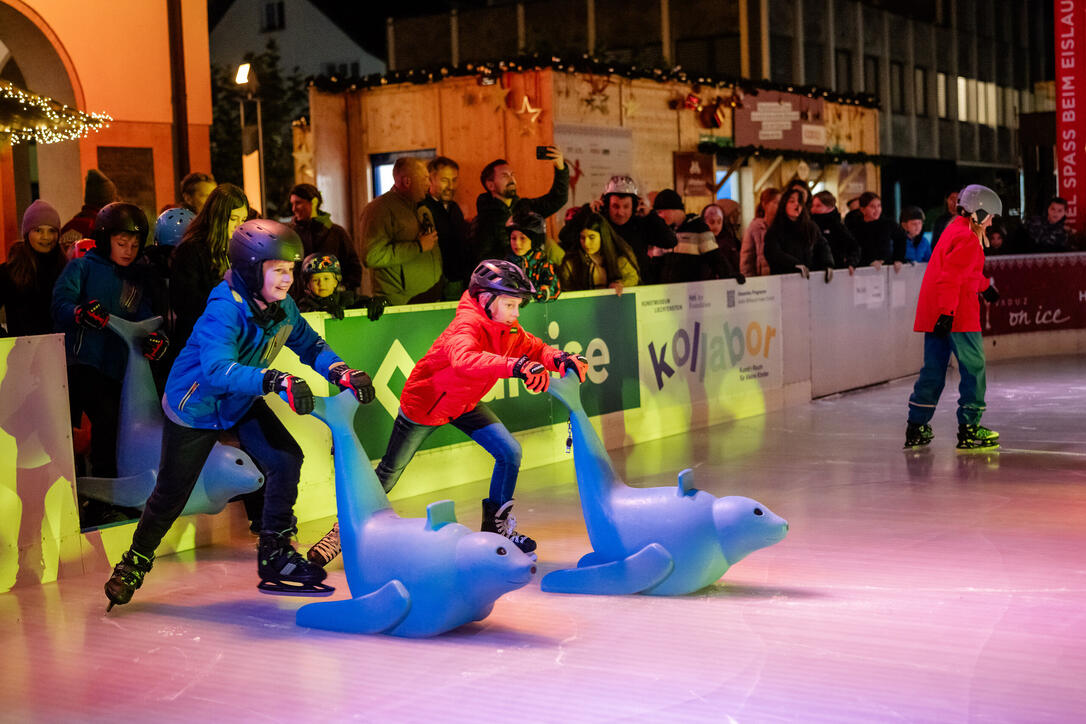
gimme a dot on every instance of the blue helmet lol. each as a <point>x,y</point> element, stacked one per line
<point>171,225</point>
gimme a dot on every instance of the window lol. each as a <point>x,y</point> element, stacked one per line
<point>382,164</point>
<point>843,69</point>
<point>992,103</point>
<point>940,94</point>
<point>871,74</point>
<point>729,190</point>
<point>920,90</point>
<point>963,104</point>
<point>272,17</point>
<point>897,87</point>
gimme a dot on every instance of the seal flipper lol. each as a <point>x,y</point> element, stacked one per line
<point>686,482</point>
<point>131,491</point>
<point>376,612</point>
<point>643,570</point>
<point>133,332</point>
<point>592,558</point>
<point>440,513</point>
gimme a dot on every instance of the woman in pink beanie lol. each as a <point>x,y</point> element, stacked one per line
<point>33,265</point>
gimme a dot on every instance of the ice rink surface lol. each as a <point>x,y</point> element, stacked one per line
<point>934,586</point>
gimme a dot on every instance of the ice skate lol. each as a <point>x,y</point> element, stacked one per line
<point>977,437</point>
<point>326,549</point>
<point>500,520</point>
<point>127,577</point>
<point>917,435</point>
<point>283,571</point>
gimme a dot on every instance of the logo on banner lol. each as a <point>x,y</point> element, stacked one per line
<point>746,348</point>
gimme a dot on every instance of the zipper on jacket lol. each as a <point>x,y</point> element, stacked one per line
<point>188,394</point>
<point>439,399</point>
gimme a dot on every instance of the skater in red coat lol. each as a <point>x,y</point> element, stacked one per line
<point>484,343</point>
<point>948,313</point>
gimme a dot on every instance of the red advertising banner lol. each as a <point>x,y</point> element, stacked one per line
<point>1036,294</point>
<point>1070,119</point>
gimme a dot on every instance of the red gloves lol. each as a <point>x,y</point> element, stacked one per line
<point>155,345</point>
<point>356,381</point>
<point>566,362</point>
<point>294,389</point>
<point>535,376</point>
<point>92,315</point>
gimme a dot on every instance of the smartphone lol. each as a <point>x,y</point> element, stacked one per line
<point>542,153</point>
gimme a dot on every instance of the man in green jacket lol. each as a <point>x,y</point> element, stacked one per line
<point>399,242</point>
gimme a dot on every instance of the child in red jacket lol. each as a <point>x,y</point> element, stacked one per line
<point>948,313</point>
<point>483,344</point>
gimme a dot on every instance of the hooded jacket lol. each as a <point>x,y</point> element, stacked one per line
<point>952,280</point>
<point>464,362</point>
<point>843,246</point>
<point>120,290</point>
<point>220,373</point>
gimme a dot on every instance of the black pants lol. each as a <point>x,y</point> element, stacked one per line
<point>99,396</point>
<point>184,452</point>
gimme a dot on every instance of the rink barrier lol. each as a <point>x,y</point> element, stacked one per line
<point>662,360</point>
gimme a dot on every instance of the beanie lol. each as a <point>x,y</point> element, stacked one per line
<point>668,199</point>
<point>98,190</point>
<point>912,213</point>
<point>528,223</point>
<point>40,213</point>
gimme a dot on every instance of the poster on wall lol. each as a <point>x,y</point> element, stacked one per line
<point>694,180</point>
<point>781,120</point>
<point>594,154</point>
<point>1036,294</point>
<point>713,342</point>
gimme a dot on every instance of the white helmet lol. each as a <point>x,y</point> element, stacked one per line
<point>621,185</point>
<point>979,202</point>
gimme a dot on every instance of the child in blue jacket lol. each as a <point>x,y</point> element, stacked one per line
<point>217,383</point>
<point>112,278</point>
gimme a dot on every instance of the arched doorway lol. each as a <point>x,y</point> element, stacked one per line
<point>32,58</point>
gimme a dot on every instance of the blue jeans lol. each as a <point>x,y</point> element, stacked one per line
<point>969,349</point>
<point>184,452</point>
<point>481,425</point>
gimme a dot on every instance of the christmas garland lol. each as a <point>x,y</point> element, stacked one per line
<point>25,117</point>
<point>491,71</point>
<point>725,152</point>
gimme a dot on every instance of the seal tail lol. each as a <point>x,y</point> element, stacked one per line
<point>133,332</point>
<point>595,473</point>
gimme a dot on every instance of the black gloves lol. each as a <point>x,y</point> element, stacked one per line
<point>739,278</point>
<point>534,374</point>
<point>92,315</point>
<point>155,345</point>
<point>991,294</point>
<point>375,307</point>
<point>356,381</point>
<point>943,326</point>
<point>829,274</point>
<point>571,362</point>
<point>297,392</point>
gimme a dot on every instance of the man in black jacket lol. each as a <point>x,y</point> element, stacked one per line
<point>872,231</point>
<point>843,246</point>
<point>495,205</point>
<point>321,237</point>
<point>452,230</point>
<point>618,205</point>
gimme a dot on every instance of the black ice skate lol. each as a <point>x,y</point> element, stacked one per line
<point>500,520</point>
<point>127,577</point>
<point>977,437</point>
<point>326,549</point>
<point>284,572</point>
<point>917,435</point>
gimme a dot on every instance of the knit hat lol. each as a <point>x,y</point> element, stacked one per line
<point>668,199</point>
<point>40,213</point>
<point>912,213</point>
<point>694,236</point>
<point>528,223</point>
<point>98,189</point>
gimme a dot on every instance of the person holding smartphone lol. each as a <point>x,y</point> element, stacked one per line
<point>499,199</point>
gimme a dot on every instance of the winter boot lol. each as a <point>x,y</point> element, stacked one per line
<point>917,435</point>
<point>283,571</point>
<point>976,437</point>
<point>500,520</point>
<point>326,549</point>
<point>127,577</point>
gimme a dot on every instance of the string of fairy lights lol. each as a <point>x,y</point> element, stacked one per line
<point>26,117</point>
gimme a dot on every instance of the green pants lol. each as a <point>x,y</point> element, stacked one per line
<point>968,348</point>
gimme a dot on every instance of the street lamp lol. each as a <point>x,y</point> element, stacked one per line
<point>248,83</point>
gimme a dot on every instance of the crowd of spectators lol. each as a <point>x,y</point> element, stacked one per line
<point>419,247</point>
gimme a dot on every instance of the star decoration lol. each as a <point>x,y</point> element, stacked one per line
<point>526,110</point>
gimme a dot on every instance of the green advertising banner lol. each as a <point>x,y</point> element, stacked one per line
<point>602,328</point>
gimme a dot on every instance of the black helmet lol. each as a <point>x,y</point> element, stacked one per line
<point>498,276</point>
<point>115,217</point>
<point>258,241</point>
